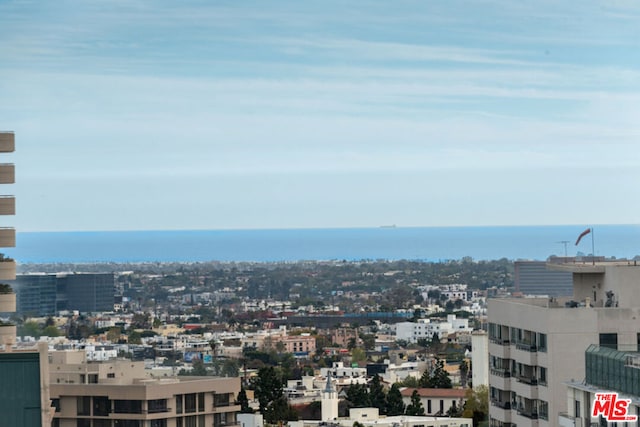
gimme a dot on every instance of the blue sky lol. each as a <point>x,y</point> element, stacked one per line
<point>280,114</point>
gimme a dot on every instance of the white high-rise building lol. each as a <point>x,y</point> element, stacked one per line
<point>537,345</point>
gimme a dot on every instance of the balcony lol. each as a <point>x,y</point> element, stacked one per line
<point>7,237</point>
<point>7,173</point>
<point>500,378</point>
<point>7,142</point>
<point>526,346</point>
<point>7,302</point>
<point>7,205</point>
<point>527,380</point>
<point>7,269</point>
<point>566,420</point>
<point>7,333</point>
<point>500,349</point>
<point>501,404</point>
<point>526,354</point>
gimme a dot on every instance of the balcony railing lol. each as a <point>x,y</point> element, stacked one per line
<point>528,413</point>
<point>526,346</point>
<point>527,380</point>
<point>501,404</point>
<point>500,372</point>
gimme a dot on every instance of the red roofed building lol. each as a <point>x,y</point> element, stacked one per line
<point>436,400</point>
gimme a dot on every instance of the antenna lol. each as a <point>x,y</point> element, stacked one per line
<point>564,242</point>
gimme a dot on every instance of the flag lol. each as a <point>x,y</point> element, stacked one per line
<point>584,233</point>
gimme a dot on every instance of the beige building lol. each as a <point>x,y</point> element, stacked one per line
<point>436,401</point>
<point>537,345</point>
<point>117,394</point>
<point>7,240</point>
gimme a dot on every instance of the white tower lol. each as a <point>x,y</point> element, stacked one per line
<point>329,401</point>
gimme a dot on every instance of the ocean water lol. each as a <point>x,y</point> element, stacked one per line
<point>416,243</point>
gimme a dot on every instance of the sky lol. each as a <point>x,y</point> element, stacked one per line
<point>153,115</point>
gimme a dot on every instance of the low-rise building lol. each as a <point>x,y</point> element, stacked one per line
<point>436,401</point>
<point>117,394</point>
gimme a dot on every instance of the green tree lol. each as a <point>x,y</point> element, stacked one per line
<point>439,378</point>
<point>358,355</point>
<point>30,329</point>
<point>395,405</point>
<point>50,331</point>
<point>243,401</point>
<point>415,406</point>
<point>411,382</point>
<point>358,396</point>
<point>464,373</point>
<point>477,404</point>
<point>369,341</point>
<point>113,334</point>
<point>134,337</point>
<point>377,396</point>
<point>268,387</point>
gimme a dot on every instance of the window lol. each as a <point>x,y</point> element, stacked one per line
<point>126,423</point>
<point>84,405</point>
<point>576,409</point>
<point>429,406</point>
<point>101,423</point>
<point>190,421</point>
<point>542,342</point>
<point>441,407</point>
<point>221,399</point>
<point>542,375</point>
<point>157,405</point>
<point>93,378</point>
<point>179,404</point>
<point>201,421</point>
<point>190,403</point>
<point>127,406</point>
<point>101,406</point>
<point>83,422</point>
<point>159,423</point>
<point>111,375</point>
<point>609,340</point>
<point>56,404</point>
<point>200,402</point>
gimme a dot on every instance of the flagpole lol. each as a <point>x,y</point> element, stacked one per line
<point>593,250</point>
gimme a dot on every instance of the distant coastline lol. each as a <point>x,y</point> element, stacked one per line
<point>416,243</point>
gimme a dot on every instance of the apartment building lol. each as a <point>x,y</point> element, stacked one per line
<point>425,328</point>
<point>7,240</point>
<point>536,344</point>
<point>606,370</point>
<point>118,394</point>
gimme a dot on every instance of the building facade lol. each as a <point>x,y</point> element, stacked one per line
<point>7,240</point>
<point>118,394</point>
<point>48,294</point>
<point>536,344</point>
<point>534,278</point>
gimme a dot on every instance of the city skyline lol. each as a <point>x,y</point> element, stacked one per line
<point>153,115</point>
